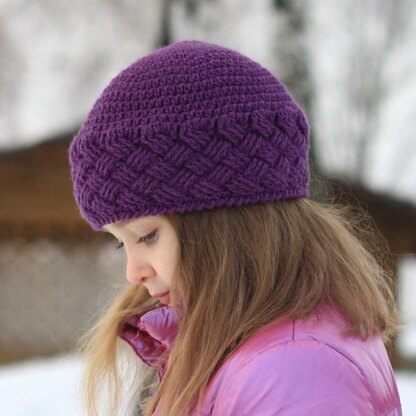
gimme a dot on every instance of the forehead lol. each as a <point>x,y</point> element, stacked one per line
<point>135,221</point>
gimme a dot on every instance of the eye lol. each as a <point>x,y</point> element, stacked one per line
<point>151,238</point>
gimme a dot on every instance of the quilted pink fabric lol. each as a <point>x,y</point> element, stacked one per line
<point>291,368</point>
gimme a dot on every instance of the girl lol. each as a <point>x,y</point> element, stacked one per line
<point>244,296</point>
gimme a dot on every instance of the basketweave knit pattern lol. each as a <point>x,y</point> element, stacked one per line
<point>191,126</point>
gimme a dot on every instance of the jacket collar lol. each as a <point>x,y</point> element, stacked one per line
<point>154,332</point>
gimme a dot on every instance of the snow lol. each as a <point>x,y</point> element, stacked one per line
<point>44,387</point>
<point>48,387</point>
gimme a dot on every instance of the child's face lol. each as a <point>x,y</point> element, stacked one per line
<point>151,247</point>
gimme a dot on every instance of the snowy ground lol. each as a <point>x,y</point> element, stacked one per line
<point>47,387</point>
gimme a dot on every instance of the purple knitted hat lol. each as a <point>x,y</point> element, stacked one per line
<point>191,126</point>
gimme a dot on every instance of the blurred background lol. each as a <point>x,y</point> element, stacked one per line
<point>350,65</point>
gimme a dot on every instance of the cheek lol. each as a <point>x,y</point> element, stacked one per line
<point>165,261</point>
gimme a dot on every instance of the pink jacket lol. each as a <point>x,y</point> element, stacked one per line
<point>291,368</point>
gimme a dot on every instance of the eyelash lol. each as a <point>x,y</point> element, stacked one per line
<point>149,237</point>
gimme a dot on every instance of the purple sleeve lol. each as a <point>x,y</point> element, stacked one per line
<point>151,336</point>
<point>303,377</point>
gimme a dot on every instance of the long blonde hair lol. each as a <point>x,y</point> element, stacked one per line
<point>238,269</point>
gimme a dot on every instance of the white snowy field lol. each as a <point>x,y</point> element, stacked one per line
<point>47,387</point>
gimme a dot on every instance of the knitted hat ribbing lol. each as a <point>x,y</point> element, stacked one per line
<point>191,126</point>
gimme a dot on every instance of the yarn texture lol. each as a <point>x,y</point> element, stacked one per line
<point>191,126</point>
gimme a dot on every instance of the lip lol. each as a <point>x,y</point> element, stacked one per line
<point>163,298</point>
<point>159,295</point>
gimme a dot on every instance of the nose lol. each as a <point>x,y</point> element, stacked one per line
<point>138,272</point>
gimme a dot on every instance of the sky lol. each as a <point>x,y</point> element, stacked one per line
<point>50,80</point>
